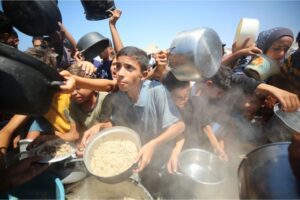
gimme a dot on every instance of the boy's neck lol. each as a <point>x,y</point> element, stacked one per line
<point>134,94</point>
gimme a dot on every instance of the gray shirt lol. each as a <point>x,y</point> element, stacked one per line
<point>153,112</point>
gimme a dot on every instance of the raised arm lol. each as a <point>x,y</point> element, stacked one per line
<point>115,15</point>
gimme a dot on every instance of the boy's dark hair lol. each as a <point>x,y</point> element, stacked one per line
<point>45,55</point>
<point>76,70</point>
<point>34,38</point>
<point>139,55</point>
<point>222,78</point>
<point>14,33</point>
<point>171,82</point>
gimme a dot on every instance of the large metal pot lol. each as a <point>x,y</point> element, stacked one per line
<point>114,133</point>
<point>201,175</point>
<point>92,44</point>
<point>265,173</point>
<point>27,84</point>
<point>195,54</point>
<point>92,188</point>
<point>97,9</point>
<point>283,125</point>
<point>33,17</point>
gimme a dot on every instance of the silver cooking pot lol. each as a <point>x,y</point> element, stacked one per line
<point>116,132</point>
<point>201,174</point>
<point>283,125</point>
<point>195,54</point>
<point>265,173</point>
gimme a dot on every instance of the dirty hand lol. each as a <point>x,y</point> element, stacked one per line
<point>144,156</point>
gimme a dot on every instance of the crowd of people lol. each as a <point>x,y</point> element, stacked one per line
<point>123,89</point>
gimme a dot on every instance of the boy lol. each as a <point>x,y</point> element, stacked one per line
<point>144,106</point>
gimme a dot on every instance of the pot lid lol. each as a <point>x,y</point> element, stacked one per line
<point>34,17</point>
<point>290,119</point>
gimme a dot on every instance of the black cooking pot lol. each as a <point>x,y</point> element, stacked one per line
<point>27,85</point>
<point>92,44</point>
<point>97,9</point>
<point>265,173</point>
<point>33,17</point>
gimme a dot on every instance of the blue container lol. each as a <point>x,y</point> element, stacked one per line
<point>44,186</point>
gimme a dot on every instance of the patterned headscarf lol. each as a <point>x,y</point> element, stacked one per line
<point>267,38</point>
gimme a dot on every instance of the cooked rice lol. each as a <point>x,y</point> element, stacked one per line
<point>113,157</point>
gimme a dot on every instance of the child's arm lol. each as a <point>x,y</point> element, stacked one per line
<point>72,135</point>
<point>172,163</point>
<point>215,143</point>
<point>7,131</point>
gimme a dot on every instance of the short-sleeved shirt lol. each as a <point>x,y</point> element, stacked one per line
<point>103,69</point>
<point>153,112</point>
<point>85,120</point>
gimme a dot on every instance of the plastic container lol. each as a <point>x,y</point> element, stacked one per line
<point>246,28</point>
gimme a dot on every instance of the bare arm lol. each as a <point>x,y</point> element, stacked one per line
<point>116,14</point>
<point>146,152</point>
<point>7,131</point>
<point>289,101</point>
<point>72,135</point>
<point>215,143</point>
<point>172,163</point>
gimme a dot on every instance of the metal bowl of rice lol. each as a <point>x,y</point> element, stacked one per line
<point>110,154</point>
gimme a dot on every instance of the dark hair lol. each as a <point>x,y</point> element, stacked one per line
<point>34,38</point>
<point>171,82</point>
<point>222,78</point>
<point>139,55</point>
<point>14,33</point>
<point>44,55</point>
<point>76,70</point>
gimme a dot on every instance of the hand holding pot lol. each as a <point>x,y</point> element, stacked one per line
<point>115,16</point>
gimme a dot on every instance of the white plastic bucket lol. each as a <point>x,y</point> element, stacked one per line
<point>246,28</point>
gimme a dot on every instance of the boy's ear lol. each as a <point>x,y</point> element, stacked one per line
<point>144,75</point>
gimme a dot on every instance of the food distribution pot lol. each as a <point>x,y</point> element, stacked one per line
<point>195,54</point>
<point>27,84</point>
<point>283,125</point>
<point>265,173</point>
<point>114,133</point>
<point>34,17</point>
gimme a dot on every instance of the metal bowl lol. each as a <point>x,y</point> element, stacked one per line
<point>116,132</point>
<point>202,166</point>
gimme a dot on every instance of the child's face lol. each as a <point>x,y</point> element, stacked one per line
<point>181,96</point>
<point>128,73</point>
<point>80,95</point>
<point>279,48</point>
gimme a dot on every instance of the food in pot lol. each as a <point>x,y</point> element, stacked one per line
<point>55,149</point>
<point>113,157</point>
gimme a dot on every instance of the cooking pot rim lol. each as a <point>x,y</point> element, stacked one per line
<point>259,148</point>
<point>275,110</point>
